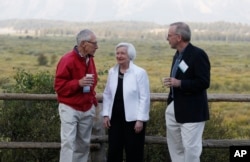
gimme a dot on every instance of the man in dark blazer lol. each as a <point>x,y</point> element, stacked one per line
<point>187,108</point>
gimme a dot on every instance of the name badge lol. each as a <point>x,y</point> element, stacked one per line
<point>183,66</point>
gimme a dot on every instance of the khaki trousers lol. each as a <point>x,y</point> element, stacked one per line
<point>184,139</point>
<point>76,128</point>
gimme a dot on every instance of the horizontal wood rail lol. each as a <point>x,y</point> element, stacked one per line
<point>97,140</point>
<point>154,97</point>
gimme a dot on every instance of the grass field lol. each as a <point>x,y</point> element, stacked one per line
<point>230,63</point>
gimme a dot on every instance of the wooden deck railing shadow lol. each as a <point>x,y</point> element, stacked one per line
<point>98,140</point>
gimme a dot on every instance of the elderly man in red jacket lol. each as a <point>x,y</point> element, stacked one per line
<point>75,83</point>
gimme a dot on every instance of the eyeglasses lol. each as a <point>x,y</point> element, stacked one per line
<point>171,35</point>
<point>93,43</point>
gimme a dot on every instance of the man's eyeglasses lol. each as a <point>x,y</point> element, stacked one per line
<point>171,35</point>
<point>93,43</point>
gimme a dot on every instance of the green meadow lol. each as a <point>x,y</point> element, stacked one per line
<point>230,71</point>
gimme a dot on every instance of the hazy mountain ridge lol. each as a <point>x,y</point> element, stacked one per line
<point>46,24</point>
<point>117,28</point>
<point>159,11</point>
<point>33,24</point>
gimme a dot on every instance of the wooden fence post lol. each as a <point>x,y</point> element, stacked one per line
<point>99,155</point>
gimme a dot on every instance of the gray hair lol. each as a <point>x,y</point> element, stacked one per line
<point>130,49</point>
<point>83,35</point>
<point>183,30</point>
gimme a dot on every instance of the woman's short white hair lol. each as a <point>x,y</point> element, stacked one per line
<point>130,49</point>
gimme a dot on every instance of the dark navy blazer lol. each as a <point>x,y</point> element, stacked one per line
<point>190,100</point>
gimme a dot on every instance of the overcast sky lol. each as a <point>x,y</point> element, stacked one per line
<point>158,11</point>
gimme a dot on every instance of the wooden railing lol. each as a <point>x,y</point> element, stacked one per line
<point>154,97</point>
<point>98,140</point>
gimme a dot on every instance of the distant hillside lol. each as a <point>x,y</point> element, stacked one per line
<point>223,31</point>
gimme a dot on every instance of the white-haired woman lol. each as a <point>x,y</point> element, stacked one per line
<point>126,105</point>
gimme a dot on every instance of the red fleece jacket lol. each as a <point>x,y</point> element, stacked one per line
<point>70,69</point>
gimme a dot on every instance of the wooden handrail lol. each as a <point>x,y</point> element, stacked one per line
<point>97,140</point>
<point>154,97</point>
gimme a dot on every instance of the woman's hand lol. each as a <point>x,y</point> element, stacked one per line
<point>106,122</point>
<point>138,126</point>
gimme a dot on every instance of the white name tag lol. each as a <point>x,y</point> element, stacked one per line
<point>183,66</point>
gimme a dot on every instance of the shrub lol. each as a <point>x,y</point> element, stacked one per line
<point>30,120</point>
<point>42,59</point>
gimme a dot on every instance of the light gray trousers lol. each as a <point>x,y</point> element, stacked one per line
<point>76,128</point>
<point>184,139</point>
